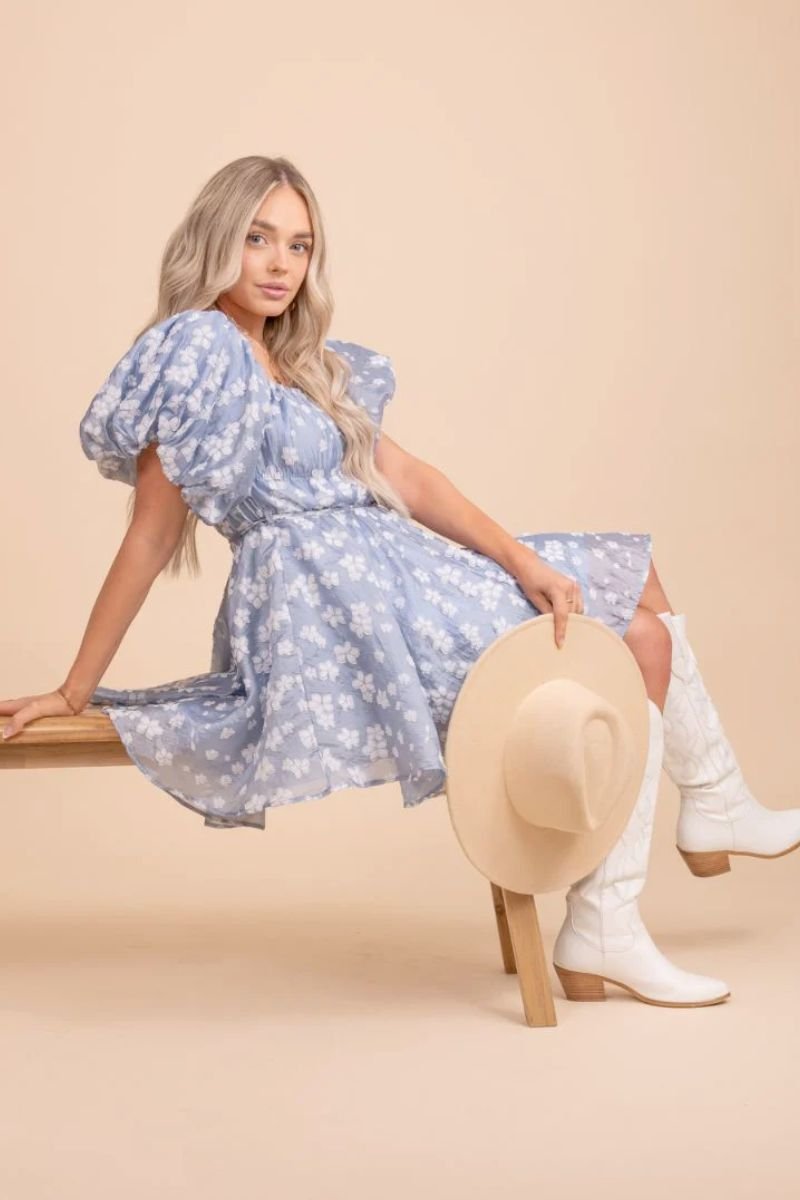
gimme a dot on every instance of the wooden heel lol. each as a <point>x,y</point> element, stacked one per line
<point>578,985</point>
<point>704,863</point>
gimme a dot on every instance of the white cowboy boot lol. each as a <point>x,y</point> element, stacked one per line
<point>603,937</point>
<point>718,813</point>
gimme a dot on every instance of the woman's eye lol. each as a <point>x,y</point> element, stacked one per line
<point>302,245</point>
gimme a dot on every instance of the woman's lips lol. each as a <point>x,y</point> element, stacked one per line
<point>269,290</point>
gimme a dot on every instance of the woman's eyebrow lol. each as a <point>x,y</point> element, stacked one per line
<point>273,228</point>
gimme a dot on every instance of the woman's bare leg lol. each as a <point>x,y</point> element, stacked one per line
<point>653,595</point>
<point>649,640</point>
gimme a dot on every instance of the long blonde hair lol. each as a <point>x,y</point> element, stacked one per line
<point>203,258</point>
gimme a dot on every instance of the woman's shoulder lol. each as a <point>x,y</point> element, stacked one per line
<point>192,340</point>
<point>191,324</point>
<point>367,366</point>
<point>185,385</point>
<point>357,351</point>
<point>372,376</point>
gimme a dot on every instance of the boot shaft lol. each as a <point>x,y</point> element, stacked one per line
<point>603,905</point>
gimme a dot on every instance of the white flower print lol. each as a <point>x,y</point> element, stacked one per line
<point>296,766</point>
<point>363,682</point>
<point>313,636</point>
<point>322,710</point>
<point>349,738</point>
<point>346,653</point>
<point>361,620</point>
<point>354,564</point>
<point>375,743</point>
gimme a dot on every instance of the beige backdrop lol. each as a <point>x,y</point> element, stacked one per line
<point>575,229</point>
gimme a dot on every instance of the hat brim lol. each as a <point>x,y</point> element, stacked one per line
<point>499,842</point>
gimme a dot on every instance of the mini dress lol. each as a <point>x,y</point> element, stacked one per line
<point>345,630</point>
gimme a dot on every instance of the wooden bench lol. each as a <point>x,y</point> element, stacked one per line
<point>91,740</point>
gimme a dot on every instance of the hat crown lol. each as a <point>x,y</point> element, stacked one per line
<point>567,756</point>
<point>544,741</point>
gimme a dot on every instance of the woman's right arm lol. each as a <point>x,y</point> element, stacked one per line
<point>151,538</point>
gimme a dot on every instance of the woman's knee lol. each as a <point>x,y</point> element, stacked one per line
<point>651,644</point>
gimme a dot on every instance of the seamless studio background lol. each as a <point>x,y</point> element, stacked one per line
<point>575,230</point>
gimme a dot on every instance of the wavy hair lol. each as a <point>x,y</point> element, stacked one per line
<point>203,258</point>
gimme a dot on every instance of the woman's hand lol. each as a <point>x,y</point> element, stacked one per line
<point>28,708</point>
<point>549,591</point>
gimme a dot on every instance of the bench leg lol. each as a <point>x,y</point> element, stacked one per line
<point>506,949</point>
<point>523,952</point>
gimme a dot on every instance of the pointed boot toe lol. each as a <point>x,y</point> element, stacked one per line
<point>640,968</point>
<point>603,938</point>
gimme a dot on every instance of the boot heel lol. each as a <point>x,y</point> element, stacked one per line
<point>704,863</point>
<point>578,985</point>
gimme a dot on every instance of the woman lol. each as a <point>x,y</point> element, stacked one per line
<point>363,584</point>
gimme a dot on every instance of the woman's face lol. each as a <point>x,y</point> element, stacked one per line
<point>277,248</point>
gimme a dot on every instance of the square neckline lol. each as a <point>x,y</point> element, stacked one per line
<point>270,382</point>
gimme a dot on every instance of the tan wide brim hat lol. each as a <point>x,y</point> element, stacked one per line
<point>545,752</point>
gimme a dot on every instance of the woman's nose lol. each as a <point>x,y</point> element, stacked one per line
<point>280,259</point>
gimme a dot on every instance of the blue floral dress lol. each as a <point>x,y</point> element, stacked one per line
<point>345,630</point>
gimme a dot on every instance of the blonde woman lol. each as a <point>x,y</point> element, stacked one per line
<point>363,584</point>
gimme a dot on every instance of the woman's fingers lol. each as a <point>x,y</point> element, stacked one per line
<point>18,721</point>
<point>550,591</point>
<point>560,601</point>
<point>561,611</point>
<point>8,707</point>
<point>29,708</point>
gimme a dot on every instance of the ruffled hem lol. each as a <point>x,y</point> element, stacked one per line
<point>416,786</point>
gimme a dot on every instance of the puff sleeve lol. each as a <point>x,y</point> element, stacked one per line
<point>188,385</point>
<point>372,380</point>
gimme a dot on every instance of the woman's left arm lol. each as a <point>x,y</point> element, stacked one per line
<point>436,502</point>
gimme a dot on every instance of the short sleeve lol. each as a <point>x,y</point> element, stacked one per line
<point>188,385</point>
<point>372,379</point>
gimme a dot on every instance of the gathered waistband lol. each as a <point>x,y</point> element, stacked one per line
<point>248,513</point>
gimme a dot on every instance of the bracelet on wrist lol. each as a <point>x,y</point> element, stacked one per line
<point>74,711</point>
